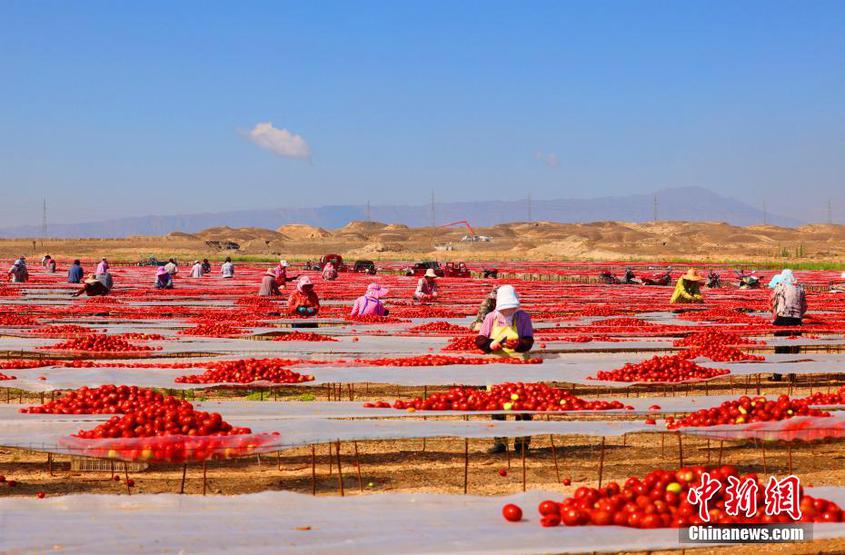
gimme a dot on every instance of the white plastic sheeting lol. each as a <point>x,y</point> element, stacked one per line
<point>284,522</point>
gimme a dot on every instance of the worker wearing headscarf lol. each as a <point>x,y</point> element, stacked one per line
<point>269,287</point>
<point>304,301</point>
<point>103,266</point>
<point>163,278</point>
<point>329,272</point>
<point>688,288</point>
<point>777,278</point>
<point>196,270</point>
<point>281,273</point>
<point>507,331</point>
<point>370,304</point>
<point>93,287</point>
<point>227,269</point>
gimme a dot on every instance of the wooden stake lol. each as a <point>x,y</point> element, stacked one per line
<point>601,461</point>
<point>126,472</point>
<point>184,475</point>
<point>313,470</point>
<point>331,461</point>
<point>789,456</point>
<point>466,465</point>
<point>554,456</point>
<point>339,471</point>
<point>763,451</point>
<point>523,465</point>
<point>50,463</point>
<point>721,448</point>
<point>680,451</point>
<point>358,466</point>
<point>204,477</point>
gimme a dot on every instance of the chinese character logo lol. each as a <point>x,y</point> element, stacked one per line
<point>703,494</point>
<point>783,496</point>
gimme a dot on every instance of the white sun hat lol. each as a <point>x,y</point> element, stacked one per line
<point>506,297</point>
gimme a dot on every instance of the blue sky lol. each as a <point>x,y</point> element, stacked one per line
<point>133,108</point>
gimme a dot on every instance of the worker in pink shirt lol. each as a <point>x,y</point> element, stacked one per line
<point>370,303</point>
<point>102,267</point>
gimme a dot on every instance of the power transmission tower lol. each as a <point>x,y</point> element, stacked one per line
<point>44,219</point>
<point>654,208</point>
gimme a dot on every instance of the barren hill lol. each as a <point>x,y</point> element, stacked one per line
<point>518,240</point>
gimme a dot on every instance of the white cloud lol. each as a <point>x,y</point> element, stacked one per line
<point>550,159</point>
<point>280,141</point>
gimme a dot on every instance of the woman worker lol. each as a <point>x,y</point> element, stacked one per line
<point>304,301</point>
<point>269,287</point>
<point>688,288</point>
<point>369,304</point>
<point>426,287</point>
<point>507,331</point>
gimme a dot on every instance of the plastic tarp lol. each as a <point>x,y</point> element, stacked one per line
<point>284,522</point>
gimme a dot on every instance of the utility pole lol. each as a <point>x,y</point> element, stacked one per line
<point>433,219</point>
<point>765,213</point>
<point>369,218</point>
<point>530,219</point>
<point>654,208</point>
<point>43,219</point>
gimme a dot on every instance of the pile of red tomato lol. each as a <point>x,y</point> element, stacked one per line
<point>443,360</point>
<point>660,500</point>
<point>62,330</point>
<point>671,369</point>
<point>373,319</point>
<point>747,409</point>
<point>4,377</point>
<point>507,396</point>
<point>246,371</point>
<point>461,344</point>
<point>213,329</point>
<point>106,399</point>
<point>439,327</point>
<point>819,398</point>
<point>720,353</point>
<point>303,336</point>
<point>99,343</point>
<point>17,320</point>
<point>713,336</point>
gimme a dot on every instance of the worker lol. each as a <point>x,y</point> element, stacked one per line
<point>102,267</point>
<point>171,267</point>
<point>329,272</point>
<point>269,287</point>
<point>49,264</point>
<point>163,278</point>
<point>19,273</point>
<point>789,301</point>
<point>427,287</point>
<point>93,287</point>
<point>488,305</point>
<point>688,288</point>
<point>507,331</point>
<point>75,272</point>
<point>281,273</point>
<point>196,270</point>
<point>227,268</point>
<point>304,301</point>
<point>206,267</point>
<point>370,304</point>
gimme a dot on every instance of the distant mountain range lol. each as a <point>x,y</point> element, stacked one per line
<point>687,204</point>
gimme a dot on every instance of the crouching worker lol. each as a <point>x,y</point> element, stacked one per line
<point>688,288</point>
<point>370,304</point>
<point>92,287</point>
<point>164,280</point>
<point>427,287</point>
<point>304,301</point>
<point>507,331</point>
<point>269,287</point>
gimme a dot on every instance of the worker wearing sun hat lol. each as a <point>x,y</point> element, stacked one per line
<point>304,301</point>
<point>163,278</point>
<point>93,287</point>
<point>370,303</point>
<point>507,331</point>
<point>281,273</point>
<point>196,270</point>
<point>269,287</point>
<point>427,287</point>
<point>688,288</point>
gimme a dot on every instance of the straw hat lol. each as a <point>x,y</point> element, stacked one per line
<point>430,273</point>
<point>506,297</point>
<point>283,263</point>
<point>92,279</point>
<point>693,275</point>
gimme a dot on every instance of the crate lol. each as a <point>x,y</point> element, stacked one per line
<point>87,464</point>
